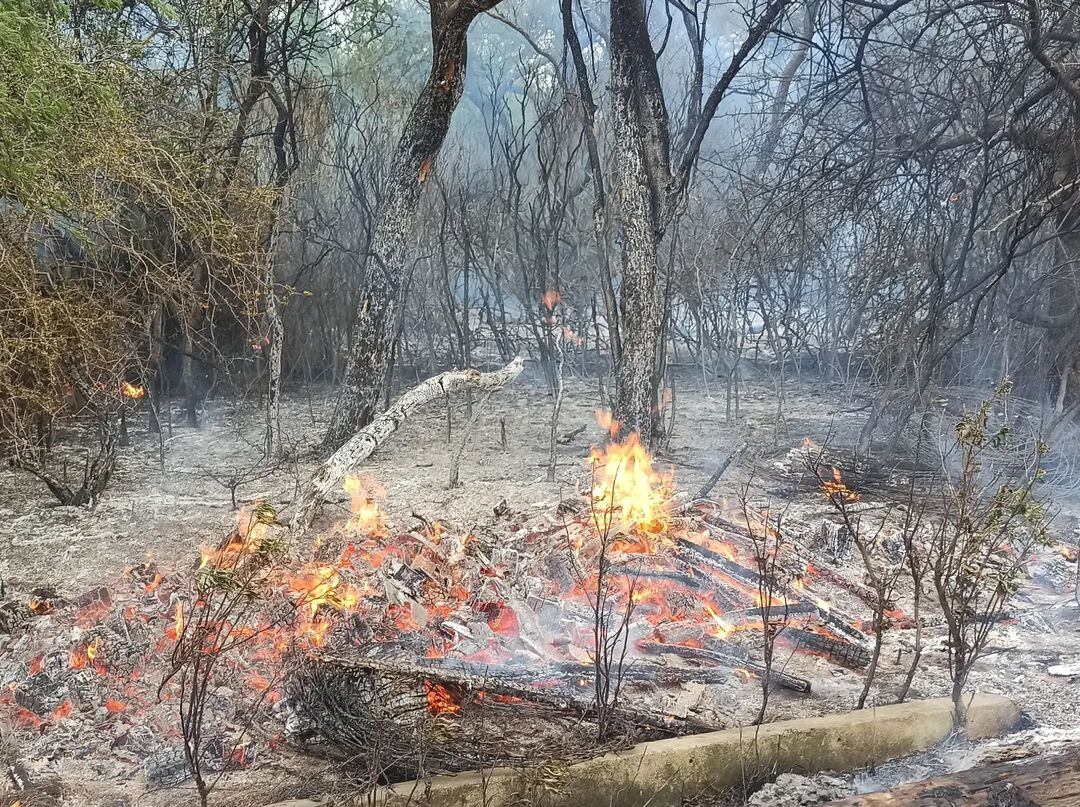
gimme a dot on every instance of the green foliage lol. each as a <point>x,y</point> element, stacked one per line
<point>58,117</point>
<point>993,517</point>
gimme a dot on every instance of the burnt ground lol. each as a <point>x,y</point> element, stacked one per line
<point>164,503</point>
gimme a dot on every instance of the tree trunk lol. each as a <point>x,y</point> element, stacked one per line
<point>641,139</point>
<point>425,130</point>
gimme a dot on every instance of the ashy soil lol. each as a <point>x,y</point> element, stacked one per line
<point>170,495</point>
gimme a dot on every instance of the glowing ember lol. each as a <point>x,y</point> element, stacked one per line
<point>440,700</point>
<point>502,619</point>
<point>62,711</point>
<point>627,489</point>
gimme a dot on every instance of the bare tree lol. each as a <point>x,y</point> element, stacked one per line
<point>425,130</point>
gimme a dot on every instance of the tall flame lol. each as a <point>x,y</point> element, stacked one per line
<point>626,488</point>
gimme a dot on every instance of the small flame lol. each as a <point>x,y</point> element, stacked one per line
<point>132,391</point>
<point>440,700</point>
<point>154,584</point>
<point>177,628</point>
<point>40,605</point>
<point>366,518</point>
<point>721,628</point>
<point>607,422</point>
<point>84,655</point>
<point>837,490</point>
<point>549,299</point>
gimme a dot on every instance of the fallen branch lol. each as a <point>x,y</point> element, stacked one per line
<point>363,444</point>
<point>706,489</point>
<point>518,684</point>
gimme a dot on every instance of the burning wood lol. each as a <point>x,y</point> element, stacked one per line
<point>434,649</point>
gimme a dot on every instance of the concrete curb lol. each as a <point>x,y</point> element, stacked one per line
<point>665,773</point>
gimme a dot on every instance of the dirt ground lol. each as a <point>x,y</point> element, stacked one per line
<point>163,504</point>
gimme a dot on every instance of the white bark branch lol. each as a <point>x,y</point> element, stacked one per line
<point>363,444</point>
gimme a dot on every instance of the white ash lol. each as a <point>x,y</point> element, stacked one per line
<point>794,790</point>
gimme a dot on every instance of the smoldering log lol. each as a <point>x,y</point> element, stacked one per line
<point>839,651</point>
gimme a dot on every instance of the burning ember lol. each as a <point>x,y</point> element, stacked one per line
<point>440,700</point>
<point>443,620</point>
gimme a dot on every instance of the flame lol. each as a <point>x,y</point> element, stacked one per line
<point>721,628</point>
<point>177,628</point>
<point>838,490</point>
<point>626,487</point>
<point>607,422</point>
<point>39,606</point>
<point>154,584</point>
<point>84,655</point>
<point>549,299</point>
<point>133,391</point>
<point>440,700</point>
<point>314,586</point>
<point>115,707</point>
<point>366,518</point>
<point>246,539</point>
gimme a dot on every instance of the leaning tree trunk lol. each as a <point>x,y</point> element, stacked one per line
<point>425,130</point>
<point>363,442</point>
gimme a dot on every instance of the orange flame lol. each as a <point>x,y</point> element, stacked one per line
<point>177,628</point>
<point>40,606</point>
<point>83,656</point>
<point>627,488</point>
<point>245,540</point>
<point>363,495</point>
<point>838,490</point>
<point>549,299</point>
<point>314,586</point>
<point>133,391</point>
<point>440,700</point>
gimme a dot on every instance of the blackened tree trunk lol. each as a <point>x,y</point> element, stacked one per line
<point>425,130</point>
